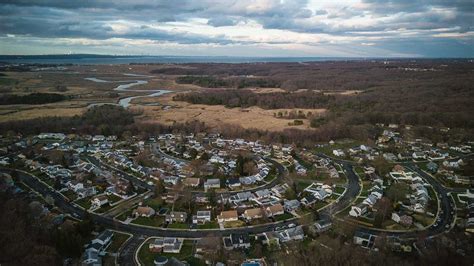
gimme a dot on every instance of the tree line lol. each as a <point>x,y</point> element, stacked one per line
<point>247,98</point>
<point>33,98</point>
<point>229,82</point>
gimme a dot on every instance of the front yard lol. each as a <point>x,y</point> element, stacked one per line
<point>156,221</point>
<point>146,257</point>
<point>117,242</point>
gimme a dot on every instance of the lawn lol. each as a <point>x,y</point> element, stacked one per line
<point>269,177</point>
<point>301,185</point>
<point>327,149</point>
<point>339,190</point>
<point>234,224</point>
<point>113,198</point>
<point>104,208</point>
<point>146,257</point>
<point>209,225</point>
<point>117,242</point>
<point>84,202</point>
<point>124,215</point>
<point>423,219</point>
<point>359,171</point>
<point>70,195</point>
<point>459,205</point>
<point>318,205</point>
<point>178,226</point>
<point>156,221</point>
<point>155,203</point>
<point>284,216</point>
<point>46,179</point>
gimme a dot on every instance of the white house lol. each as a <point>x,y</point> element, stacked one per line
<point>202,217</point>
<point>99,201</point>
<point>358,210</point>
<point>212,183</point>
<point>338,153</point>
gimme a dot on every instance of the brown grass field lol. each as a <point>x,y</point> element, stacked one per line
<point>216,115</point>
<point>85,92</point>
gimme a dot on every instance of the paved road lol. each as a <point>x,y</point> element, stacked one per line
<point>128,250</point>
<point>139,232</point>
<point>123,206</point>
<point>64,204</point>
<point>138,182</point>
<point>352,190</point>
<point>445,218</point>
<point>156,149</point>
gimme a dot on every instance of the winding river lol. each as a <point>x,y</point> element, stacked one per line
<point>125,102</point>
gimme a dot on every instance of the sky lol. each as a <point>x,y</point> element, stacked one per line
<point>263,28</point>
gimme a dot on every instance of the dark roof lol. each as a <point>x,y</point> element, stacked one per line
<point>161,259</point>
<point>105,235</point>
<point>233,181</point>
<point>240,238</point>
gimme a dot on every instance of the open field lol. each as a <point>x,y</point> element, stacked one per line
<point>216,115</point>
<point>85,92</point>
<point>353,95</point>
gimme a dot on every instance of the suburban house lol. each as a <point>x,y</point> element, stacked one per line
<point>432,167</point>
<point>291,234</point>
<point>322,225</point>
<point>251,214</point>
<point>104,238</point>
<point>240,197</point>
<point>212,183</point>
<point>75,185</point>
<point>192,182</point>
<point>309,200</point>
<point>202,217</point>
<point>227,216</point>
<point>99,201</point>
<point>86,192</point>
<point>338,153</point>
<point>91,258</point>
<point>236,241</point>
<point>94,251</point>
<point>143,212</point>
<point>364,239</point>
<point>291,205</point>
<point>166,245</point>
<point>233,183</point>
<point>418,155</point>
<point>402,219</point>
<point>279,190</point>
<point>274,210</point>
<point>358,210</point>
<point>176,217</point>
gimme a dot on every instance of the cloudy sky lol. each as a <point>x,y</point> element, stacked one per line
<point>360,28</point>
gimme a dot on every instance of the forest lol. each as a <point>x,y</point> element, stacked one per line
<point>246,98</point>
<point>33,98</point>
<point>435,103</point>
<point>230,82</point>
<point>335,75</point>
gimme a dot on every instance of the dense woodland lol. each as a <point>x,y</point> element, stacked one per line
<point>28,237</point>
<point>246,98</point>
<point>335,75</point>
<point>231,82</point>
<point>438,101</point>
<point>33,98</point>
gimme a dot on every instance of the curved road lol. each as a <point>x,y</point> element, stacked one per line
<point>446,215</point>
<point>138,182</point>
<point>140,232</point>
